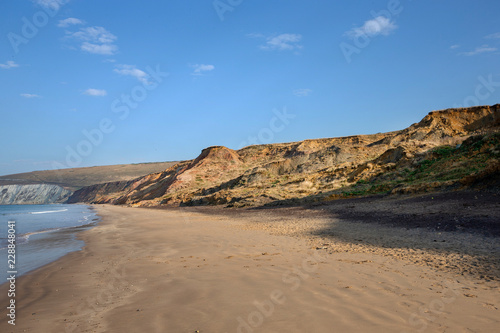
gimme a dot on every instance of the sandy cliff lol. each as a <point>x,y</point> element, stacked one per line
<point>404,161</point>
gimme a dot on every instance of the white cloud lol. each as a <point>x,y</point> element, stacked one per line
<point>52,4</point>
<point>69,21</point>
<point>479,50</point>
<point>105,49</point>
<point>95,34</point>
<point>200,69</point>
<point>456,46</point>
<point>131,70</point>
<point>95,92</point>
<point>96,40</point>
<point>302,92</point>
<point>30,96</point>
<point>9,64</point>
<point>496,35</point>
<point>283,42</point>
<point>378,26</point>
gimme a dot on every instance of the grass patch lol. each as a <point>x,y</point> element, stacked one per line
<point>442,164</point>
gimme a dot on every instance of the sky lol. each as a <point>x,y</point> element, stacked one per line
<point>92,82</point>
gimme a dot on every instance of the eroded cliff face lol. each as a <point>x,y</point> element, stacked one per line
<point>35,194</point>
<point>318,169</point>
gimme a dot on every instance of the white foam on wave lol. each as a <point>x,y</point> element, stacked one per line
<point>87,219</point>
<point>24,238</point>
<point>84,219</point>
<point>50,211</point>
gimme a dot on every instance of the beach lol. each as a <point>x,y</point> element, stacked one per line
<point>186,270</point>
<point>44,233</point>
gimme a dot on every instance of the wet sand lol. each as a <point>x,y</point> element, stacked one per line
<point>147,270</point>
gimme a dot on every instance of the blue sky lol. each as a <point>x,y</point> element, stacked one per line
<point>86,83</point>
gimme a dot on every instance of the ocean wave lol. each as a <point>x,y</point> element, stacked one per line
<point>21,239</point>
<point>42,212</point>
<point>24,238</point>
<point>50,211</point>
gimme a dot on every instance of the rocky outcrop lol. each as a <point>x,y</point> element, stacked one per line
<point>35,194</point>
<point>450,123</point>
<point>261,174</point>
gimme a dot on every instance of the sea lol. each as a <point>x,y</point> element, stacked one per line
<point>43,233</point>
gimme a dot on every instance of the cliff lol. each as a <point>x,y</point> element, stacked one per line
<point>324,169</point>
<point>76,178</point>
<point>58,185</point>
<point>36,194</point>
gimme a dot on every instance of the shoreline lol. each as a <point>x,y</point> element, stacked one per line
<point>181,270</point>
<point>51,253</point>
<point>38,245</point>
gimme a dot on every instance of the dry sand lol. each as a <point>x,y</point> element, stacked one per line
<point>146,270</point>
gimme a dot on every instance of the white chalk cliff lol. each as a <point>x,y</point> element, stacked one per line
<point>36,194</point>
